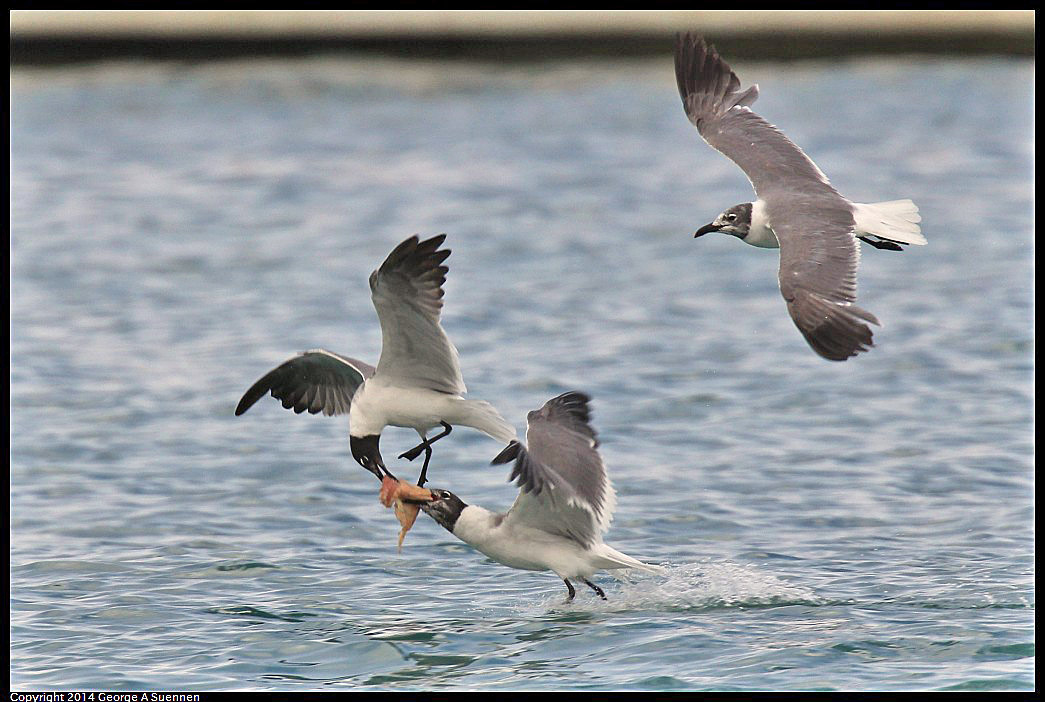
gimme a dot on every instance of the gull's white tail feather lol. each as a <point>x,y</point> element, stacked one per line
<point>609,558</point>
<point>895,220</point>
<point>481,415</point>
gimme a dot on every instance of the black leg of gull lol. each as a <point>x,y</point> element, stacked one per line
<point>423,478</point>
<point>426,444</point>
<point>594,587</point>
<point>569,586</point>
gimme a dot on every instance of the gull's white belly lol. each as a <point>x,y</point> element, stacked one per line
<point>531,549</point>
<point>377,405</point>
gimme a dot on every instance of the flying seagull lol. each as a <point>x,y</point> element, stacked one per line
<point>417,382</point>
<point>796,208</point>
<point>564,506</point>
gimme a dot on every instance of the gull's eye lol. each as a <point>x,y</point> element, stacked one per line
<point>731,217</point>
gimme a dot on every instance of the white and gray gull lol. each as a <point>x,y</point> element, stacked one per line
<point>797,209</point>
<point>417,382</point>
<point>564,506</point>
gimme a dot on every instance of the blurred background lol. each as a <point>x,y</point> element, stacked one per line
<point>196,196</point>
<point>47,36</point>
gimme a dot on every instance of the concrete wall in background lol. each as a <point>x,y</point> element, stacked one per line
<point>59,36</point>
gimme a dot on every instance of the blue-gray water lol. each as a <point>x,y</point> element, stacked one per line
<point>179,229</point>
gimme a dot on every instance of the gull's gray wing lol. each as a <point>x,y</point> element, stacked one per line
<point>813,223</point>
<point>563,486</point>
<point>713,101</point>
<point>407,291</point>
<point>316,380</point>
<point>818,281</point>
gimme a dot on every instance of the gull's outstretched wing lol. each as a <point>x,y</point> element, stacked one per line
<point>818,281</point>
<point>407,291</point>
<point>813,223</point>
<point>563,486</point>
<point>316,380</point>
<point>721,112</point>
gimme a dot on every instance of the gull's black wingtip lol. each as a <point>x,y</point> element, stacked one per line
<point>510,453</point>
<point>255,393</point>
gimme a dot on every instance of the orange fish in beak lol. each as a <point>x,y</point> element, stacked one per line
<point>404,497</point>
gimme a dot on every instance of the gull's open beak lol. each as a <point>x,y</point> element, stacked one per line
<point>377,472</point>
<point>428,505</point>
<point>706,228</point>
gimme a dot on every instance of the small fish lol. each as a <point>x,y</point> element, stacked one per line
<point>405,499</point>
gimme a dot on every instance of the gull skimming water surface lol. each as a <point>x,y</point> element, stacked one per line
<point>564,505</point>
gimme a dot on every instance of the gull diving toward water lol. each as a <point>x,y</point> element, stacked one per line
<point>797,209</point>
<point>564,506</point>
<point>417,382</point>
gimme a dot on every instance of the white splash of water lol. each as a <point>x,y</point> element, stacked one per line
<point>687,586</point>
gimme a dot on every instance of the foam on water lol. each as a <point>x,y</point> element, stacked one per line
<point>682,587</point>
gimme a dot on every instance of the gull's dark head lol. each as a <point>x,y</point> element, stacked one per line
<point>445,507</point>
<point>367,454</point>
<point>736,221</point>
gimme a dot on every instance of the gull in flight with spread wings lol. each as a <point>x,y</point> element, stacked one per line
<point>417,382</point>
<point>797,209</point>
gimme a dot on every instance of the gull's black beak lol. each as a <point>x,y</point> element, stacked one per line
<point>377,467</point>
<point>428,505</point>
<point>706,228</point>
<point>379,470</point>
<point>367,454</point>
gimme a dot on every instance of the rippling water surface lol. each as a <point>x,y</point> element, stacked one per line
<point>178,229</point>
